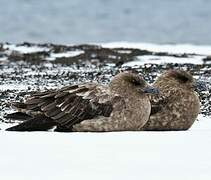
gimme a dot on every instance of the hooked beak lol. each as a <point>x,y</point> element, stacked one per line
<point>200,86</point>
<point>151,90</point>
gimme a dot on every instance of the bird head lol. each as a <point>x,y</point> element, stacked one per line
<point>133,81</point>
<point>183,79</point>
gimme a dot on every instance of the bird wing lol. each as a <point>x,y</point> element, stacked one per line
<point>72,104</point>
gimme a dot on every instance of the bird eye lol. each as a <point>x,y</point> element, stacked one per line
<point>182,78</point>
<point>136,82</point>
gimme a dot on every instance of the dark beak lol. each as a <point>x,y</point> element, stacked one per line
<point>151,90</point>
<point>200,86</point>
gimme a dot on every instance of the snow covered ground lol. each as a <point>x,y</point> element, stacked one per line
<point>171,48</point>
<point>120,155</point>
<point>124,155</point>
<point>198,52</point>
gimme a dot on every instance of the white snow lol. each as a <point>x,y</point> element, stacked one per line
<point>150,59</point>
<point>170,48</point>
<point>13,86</point>
<point>183,155</point>
<point>124,51</point>
<point>121,155</point>
<point>105,156</point>
<point>53,56</point>
<point>199,52</point>
<point>24,49</point>
<point>3,59</point>
<point>32,49</point>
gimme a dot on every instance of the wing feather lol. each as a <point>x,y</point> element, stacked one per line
<point>48,107</point>
<point>72,104</point>
<point>33,100</point>
<point>52,113</point>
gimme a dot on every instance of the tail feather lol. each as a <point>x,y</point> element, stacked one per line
<point>18,116</point>
<point>40,123</point>
<point>18,105</point>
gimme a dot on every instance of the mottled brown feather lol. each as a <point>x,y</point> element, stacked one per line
<point>81,103</point>
<point>177,105</point>
<point>72,104</point>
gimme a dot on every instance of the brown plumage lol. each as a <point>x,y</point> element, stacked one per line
<point>123,105</point>
<point>177,105</point>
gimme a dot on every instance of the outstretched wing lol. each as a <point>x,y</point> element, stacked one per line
<point>70,105</point>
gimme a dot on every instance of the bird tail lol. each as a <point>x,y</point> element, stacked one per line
<point>18,105</point>
<point>39,123</point>
<point>19,116</point>
<point>23,112</point>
